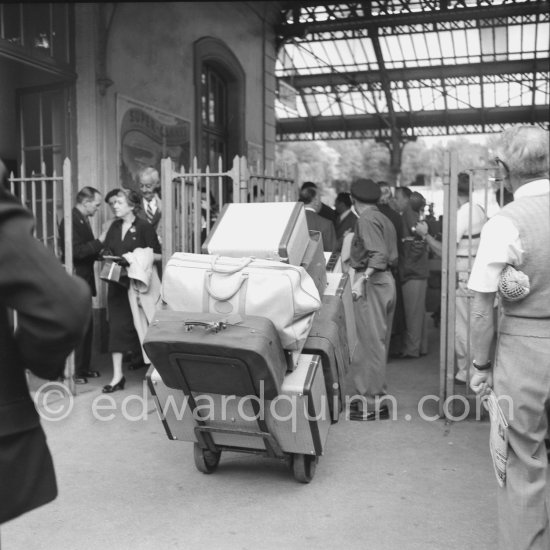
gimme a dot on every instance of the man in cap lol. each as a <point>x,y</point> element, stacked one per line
<point>518,235</point>
<point>373,253</point>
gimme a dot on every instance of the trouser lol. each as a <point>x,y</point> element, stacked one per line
<point>462,333</point>
<point>414,301</point>
<point>83,351</point>
<point>373,317</point>
<point>522,378</point>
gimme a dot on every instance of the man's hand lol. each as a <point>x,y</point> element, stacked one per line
<point>481,381</point>
<point>421,229</point>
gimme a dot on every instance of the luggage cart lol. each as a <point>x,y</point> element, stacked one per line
<point>223,385</point>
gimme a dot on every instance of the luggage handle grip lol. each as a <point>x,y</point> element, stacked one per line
<point>213,326</point>
<point>230,271</point>
<point>228,296</point>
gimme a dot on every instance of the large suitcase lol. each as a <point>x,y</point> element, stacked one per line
<point>206,283</point>
<point>212,353</point>
<point>269,230</point>
<point>314,261</point>
<point>328,338</point>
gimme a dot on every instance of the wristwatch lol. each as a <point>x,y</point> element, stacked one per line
<point>486,366</point>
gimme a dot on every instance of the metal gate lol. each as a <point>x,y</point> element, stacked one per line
<point>485,197</point>
<point>49,198</point>
<point>190,207</point>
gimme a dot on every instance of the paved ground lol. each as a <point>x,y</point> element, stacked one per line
<point>403,484</point>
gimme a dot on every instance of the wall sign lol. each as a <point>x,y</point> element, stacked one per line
<point>146,135</point>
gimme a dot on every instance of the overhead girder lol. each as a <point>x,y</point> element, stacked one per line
<point>445,12</point>
<point>302,81</point>
<point>458,117</point>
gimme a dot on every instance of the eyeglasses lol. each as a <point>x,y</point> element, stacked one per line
<point>500,162</point>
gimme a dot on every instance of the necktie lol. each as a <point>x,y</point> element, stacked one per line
<point>149,212</point>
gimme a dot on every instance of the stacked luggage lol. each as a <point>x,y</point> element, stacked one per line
<point>253,341</point>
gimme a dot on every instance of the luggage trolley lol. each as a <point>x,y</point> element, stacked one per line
<point>223,380</point>
<point>222,384</point>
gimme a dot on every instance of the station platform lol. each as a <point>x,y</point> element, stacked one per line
<point>409,483</point>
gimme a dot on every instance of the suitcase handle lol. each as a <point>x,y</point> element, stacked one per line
<point>228,296</point>
<point>231,270</point>
<point>212,326</point>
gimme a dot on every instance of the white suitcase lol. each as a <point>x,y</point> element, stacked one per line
<point>268,230</point>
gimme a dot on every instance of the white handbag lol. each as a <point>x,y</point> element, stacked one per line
<point>283,293</point>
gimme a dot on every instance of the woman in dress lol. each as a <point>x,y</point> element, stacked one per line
<point>126,233</point>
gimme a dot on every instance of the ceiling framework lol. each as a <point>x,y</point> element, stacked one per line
<point>398,69</point>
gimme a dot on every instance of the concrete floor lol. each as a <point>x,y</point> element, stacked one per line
<point>403,484</point>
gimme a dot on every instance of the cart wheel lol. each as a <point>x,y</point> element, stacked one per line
<point>303,467</point>
<point>206,461</point>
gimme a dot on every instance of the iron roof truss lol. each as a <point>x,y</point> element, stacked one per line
<point>397,69</point>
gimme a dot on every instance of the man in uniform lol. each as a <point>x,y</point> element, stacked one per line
<point>373,253</point>
<point>518,235</point>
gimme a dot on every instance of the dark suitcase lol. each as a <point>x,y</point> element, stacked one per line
<point>314,261</point>
<point>328,338</point>
<point>213,353</point>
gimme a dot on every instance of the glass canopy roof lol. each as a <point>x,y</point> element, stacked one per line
<point>424,67</point>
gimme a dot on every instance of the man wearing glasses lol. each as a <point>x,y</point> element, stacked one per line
<point>519,235</point>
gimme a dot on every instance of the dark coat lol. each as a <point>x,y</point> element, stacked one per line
<point>53,309</point>
<point>86,248</point>
<point>347,225</point>
<point>328,212</point>
<point>315,222</point>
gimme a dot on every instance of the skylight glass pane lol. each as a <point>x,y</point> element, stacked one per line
<point>462,94</point>
<point>438,103</point>
<point>407,45</point>
<point>420,46</point>
<point>514,38</point>
<point>461,52</point>
<point>543,37</point>
<point>331,55</point>
<point>301,108</point>
<point>501,39</point>
<point>357,54</point>
<point>452,102</point>
<point>416,100</point>
<point>400,101</point>
<point>489,95</point>
<point>473,43</point>
<point>529,39</point>
<point>311,105</point>
<point>386,53</point>
<point>447,48</point>
<point>394,48</point>
<point>432,40</point>
<point>475,96</point>
<point>371,55</point>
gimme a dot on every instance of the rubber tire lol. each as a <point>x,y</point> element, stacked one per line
<point>206,461</point>
<point>303,467</point>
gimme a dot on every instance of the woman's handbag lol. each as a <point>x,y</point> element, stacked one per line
<point>283,293</point>
<point>112,272</point>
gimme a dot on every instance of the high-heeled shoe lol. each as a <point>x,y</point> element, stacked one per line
<point>118,386</point>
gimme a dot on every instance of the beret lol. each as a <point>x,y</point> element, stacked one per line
<point>365,190</point>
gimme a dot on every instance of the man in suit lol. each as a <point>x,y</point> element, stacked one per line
<point>86,250</point>
<point>325,211</point>
<point>346,220</point>
<point>151,204</point>
<point>52,309</point>
<point>315,222</point>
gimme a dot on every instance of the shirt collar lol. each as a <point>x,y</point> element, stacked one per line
<point>533,188</point>
<point>310,208</point>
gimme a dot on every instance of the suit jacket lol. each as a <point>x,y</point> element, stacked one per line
<point>53,310</point>
<point>347,224</point>
<point>315,222</point>
<point>86,248</point>
<point>141,213</point>
<point>328,212</point>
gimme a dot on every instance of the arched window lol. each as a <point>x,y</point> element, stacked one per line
<point>220,101</point>
<point>214,131</point>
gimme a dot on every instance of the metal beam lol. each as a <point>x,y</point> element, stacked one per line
<point>405,120</point>
<point>418,73</point>
<point>286,30</point>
